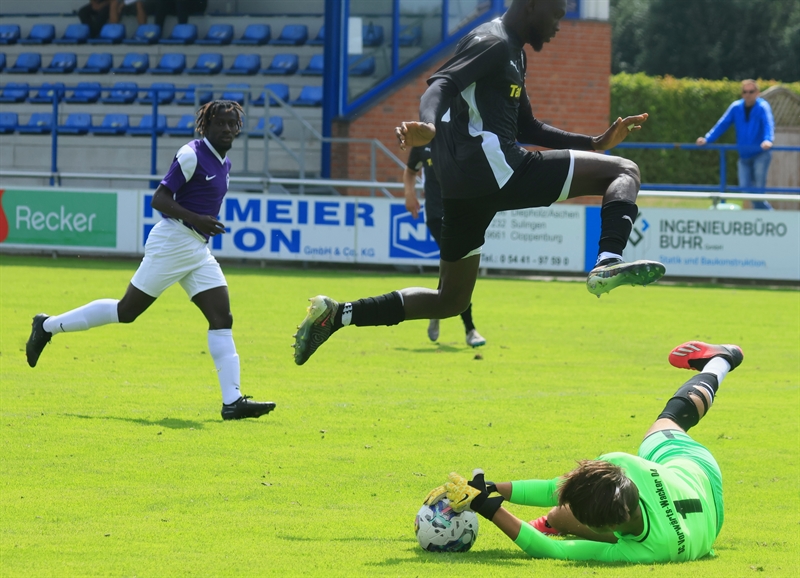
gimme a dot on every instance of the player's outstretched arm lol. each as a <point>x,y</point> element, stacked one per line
<point>618,132</point>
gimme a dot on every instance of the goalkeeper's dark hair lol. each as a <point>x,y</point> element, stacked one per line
<point>599,494</point>
<point>208,111</point>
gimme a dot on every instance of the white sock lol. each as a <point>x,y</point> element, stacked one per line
<point>94,314</point>
<point>226,360</point>
<point>606,255</point>
<point>719,367</point>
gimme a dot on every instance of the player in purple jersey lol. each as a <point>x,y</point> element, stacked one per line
<point>189,197</point>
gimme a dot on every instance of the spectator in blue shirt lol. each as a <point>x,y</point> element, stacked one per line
<point>755,133</point>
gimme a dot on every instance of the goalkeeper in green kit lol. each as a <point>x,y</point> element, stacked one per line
<point>663,506</point>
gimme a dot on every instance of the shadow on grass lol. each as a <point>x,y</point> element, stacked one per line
<point>437,349</point>
<point>494,556</point>
<point>342,539</point>
<point>167,422</point>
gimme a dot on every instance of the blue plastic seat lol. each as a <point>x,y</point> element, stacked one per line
<point>255,34</point>
<point>218,34</point>
<point>40,34</point>
<point>112,124</point>
<point>315,66</point>
<point>46,92</point>
<point>62,63</point>
<point>164,91</point>
<point>97,63</point>
<point>181,34</point>
<point>15,92</point>
<point>208,63</point>
<point>27,63</point>
<point>2,61</point>
<point>121,93</point>
<point>9,33</point>
<point>245,64</point>
<point>281,90</point>
<point>319,39</point>
<point>204,95</point>
<point>184,126</point>
<point>76,123</point>
<point>145,126</point>
<point>145,34</point>
<point>236,92</point>
<point>372,35</point>
<point>133,63</point>
<point>171,63</point>
<point>85,92</point>
<point>275,127</point>
<point>109,34</point>
<point>410,35</point>
<point>74,34</point>
<point>293,35</point>
<point>8,122</point>
<point>309,96</point>
<point>38,123</point>
<point>361,65</point>
<point>283,64</point>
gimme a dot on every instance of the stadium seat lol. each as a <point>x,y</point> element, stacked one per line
<point>145,34</point>
<point>218,34</point>
<point>145,126</point>
<point>204,95</point>
<point>109,34</point>
<point>2,61</point>
<point>62,63</point>
<point>112,124</point>
<point>46,92</point>
<point>9,34</point>
<point>361,65</point>
<point>315,66</point>
<point>281,90</point>
<point>170,63</point>
<point>85,92</point>
<point>15,92</point>
<point>282,64</point>
<point>245,64</point>
<point>372,35</point>
<point>236,92</point>
<point>209,63</point>
<point>293,35</point>
<point>74,34</point>
<point>275,126</point>
<point>8,122</point>
<point>40,34</point>
<point>133,63</point>
<point>165,92</point>
<point>255,34</point>
<point>184,126</point>
<point>319,39</point>
<point>27,63</point>
<point>181,34</point>
<point>38,123</point>
<point>76,123</point>
<point>97,63</point>
<point>309,96</point>
<point>410,36</point>
<point>121,93</point>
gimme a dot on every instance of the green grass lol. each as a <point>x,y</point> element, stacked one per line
<point>115,461</point>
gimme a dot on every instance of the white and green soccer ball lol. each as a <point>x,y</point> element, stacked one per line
<point>441,529</point>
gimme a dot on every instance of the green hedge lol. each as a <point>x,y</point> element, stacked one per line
<point>680,111</point>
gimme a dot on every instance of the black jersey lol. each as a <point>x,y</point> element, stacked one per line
<point>475,150</point>
<point>420,158</point>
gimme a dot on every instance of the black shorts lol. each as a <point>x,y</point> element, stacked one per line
<point>538,182</point>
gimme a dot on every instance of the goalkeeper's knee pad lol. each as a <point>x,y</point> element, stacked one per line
<point>681,408</point>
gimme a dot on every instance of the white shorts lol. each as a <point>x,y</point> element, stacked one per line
<point>176,254</point>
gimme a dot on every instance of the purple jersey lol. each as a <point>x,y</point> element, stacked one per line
<point>199,178</point>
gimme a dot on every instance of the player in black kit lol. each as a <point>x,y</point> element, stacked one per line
<point>477,108</point>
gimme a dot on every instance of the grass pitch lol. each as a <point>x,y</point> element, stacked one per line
<point>115,461</point>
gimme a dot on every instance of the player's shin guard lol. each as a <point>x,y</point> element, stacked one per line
<point>616,223</point>
<point>681,407</point>
<point>385,309</point>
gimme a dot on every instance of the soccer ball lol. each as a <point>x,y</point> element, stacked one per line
<point>441,529</point>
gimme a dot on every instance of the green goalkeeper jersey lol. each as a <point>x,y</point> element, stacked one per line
<point>678,511</point>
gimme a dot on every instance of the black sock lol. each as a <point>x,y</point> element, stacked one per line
<point>466,317</point>
<point>616,223</point>
<point>381,310</point>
